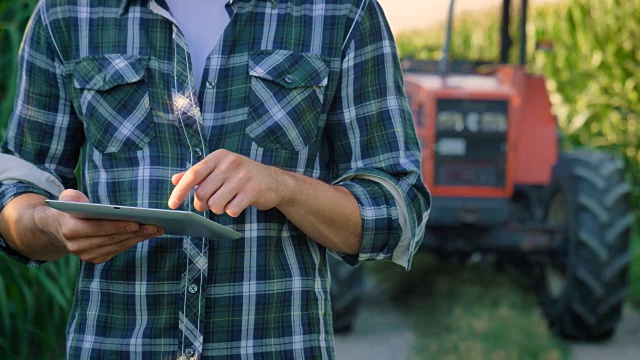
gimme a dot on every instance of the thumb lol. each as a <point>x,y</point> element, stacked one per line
<point>73,195</point>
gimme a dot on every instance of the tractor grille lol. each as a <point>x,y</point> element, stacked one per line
<point>471,143</point>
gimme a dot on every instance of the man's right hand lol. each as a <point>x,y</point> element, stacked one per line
<point>37,231</point>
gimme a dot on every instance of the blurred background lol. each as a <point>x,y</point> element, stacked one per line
<point>475,308</point>
<point>426,14</point>
<point>485,307</point>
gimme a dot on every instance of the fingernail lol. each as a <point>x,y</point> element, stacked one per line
<point>150,230</point>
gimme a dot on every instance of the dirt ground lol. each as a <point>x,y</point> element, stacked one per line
<point>623,346</point>
<point>381,333</point>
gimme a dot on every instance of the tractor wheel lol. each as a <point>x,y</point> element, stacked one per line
<point>347,284</point>
<point>584,284</point>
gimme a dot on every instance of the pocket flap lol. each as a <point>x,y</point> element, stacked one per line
<point>107,71</point>
<point>289,69</point>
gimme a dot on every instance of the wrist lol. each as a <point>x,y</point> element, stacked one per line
<point>29,228</point>
<point>42,218</point>
<point>45,220</point>
<point>289,189</point>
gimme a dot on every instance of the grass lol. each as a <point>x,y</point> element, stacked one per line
<point>469,312</point>
<point>34,307</point>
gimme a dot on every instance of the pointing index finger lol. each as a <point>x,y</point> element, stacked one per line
<point>187,181</point>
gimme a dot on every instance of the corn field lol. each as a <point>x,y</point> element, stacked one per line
<point>593,78</point>
<point>34,302</point>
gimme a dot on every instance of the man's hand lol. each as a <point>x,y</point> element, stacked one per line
<point>226,182</point>
<point>37,231</point>
<point>97,241</point>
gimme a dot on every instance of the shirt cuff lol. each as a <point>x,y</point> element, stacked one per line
<point>380,226</point>
<point>389,227</point>
<point>14,169</point>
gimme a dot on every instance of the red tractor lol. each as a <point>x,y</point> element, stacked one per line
<point>500,185</point>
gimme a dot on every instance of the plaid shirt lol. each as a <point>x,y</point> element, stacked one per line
<point>310,86</point>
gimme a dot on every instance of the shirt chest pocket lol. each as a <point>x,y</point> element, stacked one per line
<point>113,101</point>
<point>286,98</point>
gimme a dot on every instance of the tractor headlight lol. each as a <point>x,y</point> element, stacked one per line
<point>450,121</point>
<point>493,122</point>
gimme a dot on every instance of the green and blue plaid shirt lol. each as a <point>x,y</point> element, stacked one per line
<point>310,86</point>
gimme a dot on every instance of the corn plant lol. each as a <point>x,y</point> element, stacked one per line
<point>34,302</point>
<point>593,75</point>
<point>14,15</point>
<point>34,306</point>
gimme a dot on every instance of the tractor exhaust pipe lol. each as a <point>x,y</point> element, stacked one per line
<point>443,66</point>
<point>523,34</point>
<point>505,38</point>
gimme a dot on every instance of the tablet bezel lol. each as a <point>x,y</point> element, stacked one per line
<point>174,222</point>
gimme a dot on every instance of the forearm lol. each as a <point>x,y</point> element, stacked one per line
<point>226,182</point>
<point>22,224</point>
<point>328,214</point>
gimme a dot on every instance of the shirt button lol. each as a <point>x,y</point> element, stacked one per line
<point>189,352</point>
<point>197,152</point>
<point>193,288</point>
<point>209,84</point>
<point>288,79</point>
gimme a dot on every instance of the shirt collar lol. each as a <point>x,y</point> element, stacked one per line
<point>125,5</point>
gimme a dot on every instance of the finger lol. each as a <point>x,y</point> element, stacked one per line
<point>219,200</point>
<point>189,180</point>
<point>73,195</point>
<point>239,204</point>
<point>86,244</point>
<point>175,179</point>
<point>81,245</point>
<point>205,190</point>
<point>100,254</point>
<point>76,228</point>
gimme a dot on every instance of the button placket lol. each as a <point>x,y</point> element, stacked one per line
<point>192,299</point>
<point>189,119</point>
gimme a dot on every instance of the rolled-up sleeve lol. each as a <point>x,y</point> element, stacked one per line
<point>373,140</point>
<point>43,129</point>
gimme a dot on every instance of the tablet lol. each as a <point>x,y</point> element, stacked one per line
<point>174,222</point>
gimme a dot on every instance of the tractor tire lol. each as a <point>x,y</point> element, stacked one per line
<point>584,284</point>
<point>347,284</point>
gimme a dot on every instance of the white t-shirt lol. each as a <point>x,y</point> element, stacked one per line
<point>202,22</point>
